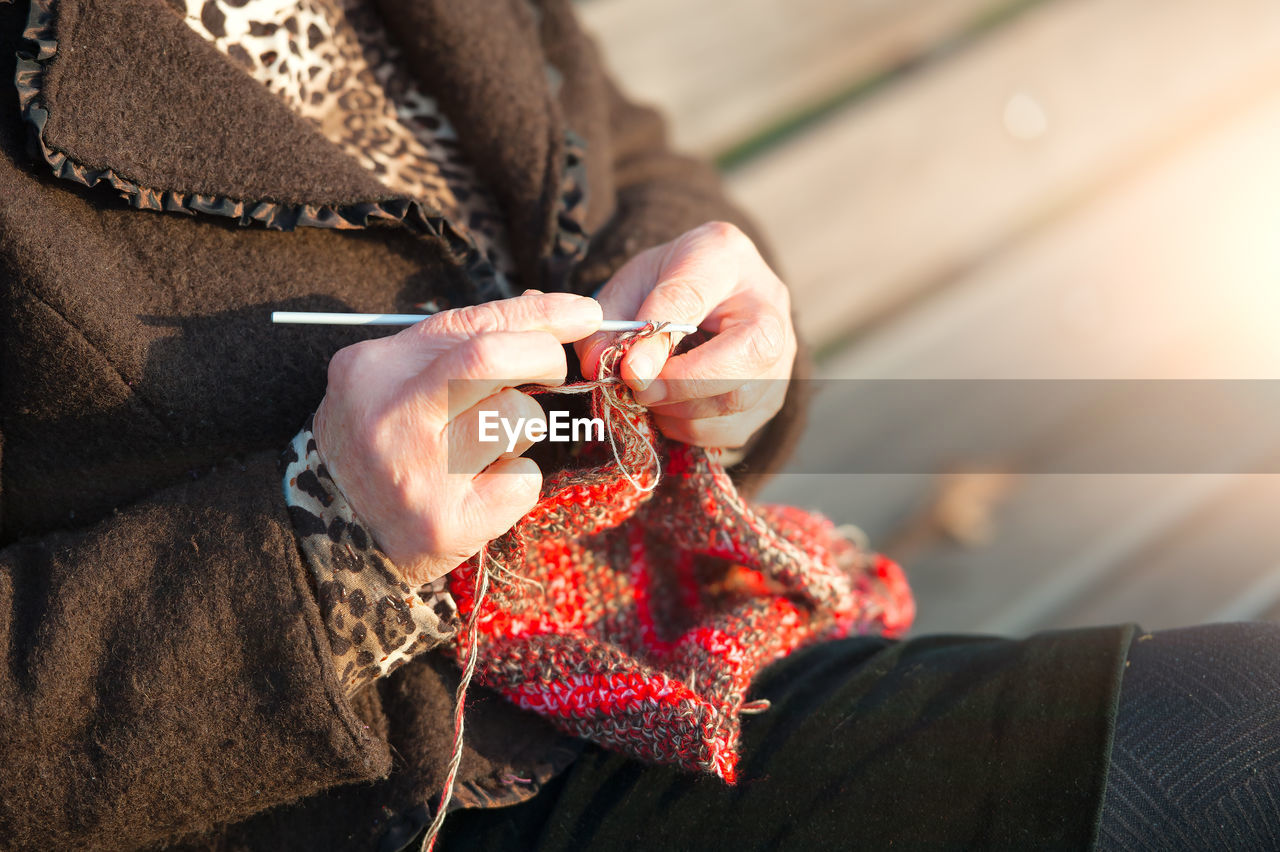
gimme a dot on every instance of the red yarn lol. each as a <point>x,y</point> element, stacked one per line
<point>645,616</point>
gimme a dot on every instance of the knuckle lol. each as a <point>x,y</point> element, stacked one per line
<point>502,506</point>
<point>697,433</point>
<point>344,365</point>
<point>339,367</point>
<point>524,495</point>
<point>739,399</point>
<point>769,340</point>
<point>503,512</point>
<point>732,436</point>
<point>480,356</point>
<point>781,295</point>
<point>726,234</point>
<point>726,432</point>
<point>683,298</point>
<point>512,403</point>
<point>525,405</point>
<point>551,352</point>
<point>773,403</point>
<point>375,436</point>
<point>507,401</point>
<point>436,535</point>
<point>473,320</point>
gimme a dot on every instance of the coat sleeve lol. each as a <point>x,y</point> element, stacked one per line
<point>166,670</point>
<point>659,194</point>
<point>375,621</point>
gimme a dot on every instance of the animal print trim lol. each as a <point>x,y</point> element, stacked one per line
<point>40,51</point>
<point>332,63</point>
<point>571,239</point>
<point>374,620</point>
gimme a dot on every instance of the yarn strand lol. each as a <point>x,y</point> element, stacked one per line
<point>488,568</point>
<point>460,699</point>
<point>607,383</point>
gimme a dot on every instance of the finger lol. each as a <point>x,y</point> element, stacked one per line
<point>715,401</point>
<point>500,496</point>
<point>620,299</point>
<point>565,316</point>
<point>687,296</point>
<point>490,430</point>
<point>758,348</point>
<point>478,367</point>
<point>724,432</point>
<point>701,269</point>
<point>486,507</point>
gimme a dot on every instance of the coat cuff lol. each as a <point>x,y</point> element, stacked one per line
<point>374,619</point>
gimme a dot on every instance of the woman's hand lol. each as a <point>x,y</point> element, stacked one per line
<point>403,444</point>
<point>717,394</point>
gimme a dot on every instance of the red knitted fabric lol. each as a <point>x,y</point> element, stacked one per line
<point>644,616</point>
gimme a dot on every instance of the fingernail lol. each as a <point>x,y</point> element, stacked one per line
<point>576,308</point>
<point>642,370</point>
<point>652,395</point>
<point>592,356</point>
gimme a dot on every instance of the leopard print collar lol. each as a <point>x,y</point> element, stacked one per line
<point>333,64</point>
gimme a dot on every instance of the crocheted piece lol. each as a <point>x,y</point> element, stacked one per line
<point>637,601</point>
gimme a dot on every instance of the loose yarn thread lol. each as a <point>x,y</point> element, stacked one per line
<point>607,384</point>
<point>460,700</point>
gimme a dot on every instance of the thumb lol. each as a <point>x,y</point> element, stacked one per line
<point>698,272</point>
<point>620,299</point>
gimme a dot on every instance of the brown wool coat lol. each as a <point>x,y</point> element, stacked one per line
<point>166,675</point>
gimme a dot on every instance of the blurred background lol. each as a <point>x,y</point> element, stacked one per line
<point>1006,189</point>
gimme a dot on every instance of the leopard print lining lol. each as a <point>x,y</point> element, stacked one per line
<point>332,63</point>
<point>375,621</point>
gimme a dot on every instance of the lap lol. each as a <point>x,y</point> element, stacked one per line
<point>1196,760</point>
<point>936,742</point>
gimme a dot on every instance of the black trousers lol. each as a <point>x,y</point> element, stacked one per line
<point>948,742</point>
<point>1196,759</point>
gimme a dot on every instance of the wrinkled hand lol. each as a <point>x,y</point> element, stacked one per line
<point>720,393</point>
<point>391,429</point>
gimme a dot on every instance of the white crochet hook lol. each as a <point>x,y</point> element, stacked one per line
<point>337,318</point>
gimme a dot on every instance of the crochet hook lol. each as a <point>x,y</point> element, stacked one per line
<point>338,318</point>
